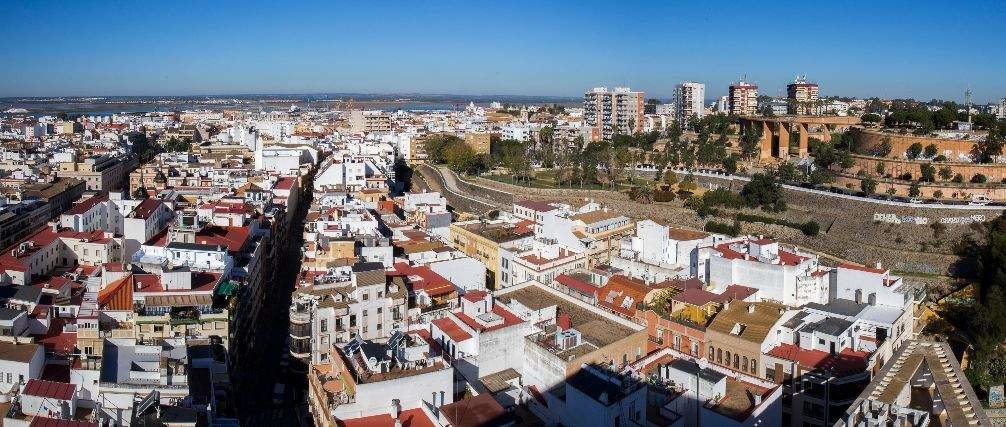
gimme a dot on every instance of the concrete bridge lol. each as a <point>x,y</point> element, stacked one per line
<point>775,131</point>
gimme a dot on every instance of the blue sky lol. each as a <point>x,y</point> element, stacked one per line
<point>918,49</point>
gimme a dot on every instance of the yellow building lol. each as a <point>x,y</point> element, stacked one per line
<point>482,241</point>
<point>695,305</point>
<point>479,141</point>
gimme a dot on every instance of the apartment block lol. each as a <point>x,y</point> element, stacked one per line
<point>802,97</point>
<point>610,112</point>
<point>743,99</point>
<point>689,101</point>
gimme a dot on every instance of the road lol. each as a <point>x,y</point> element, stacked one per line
<point>460,199</point>
<point>846,196</point>
<point>265,370</point>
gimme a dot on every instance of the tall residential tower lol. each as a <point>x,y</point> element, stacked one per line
<point>609,112</point>
<point>802,96</point>
<point>743,98</point>
<point>689,98</point>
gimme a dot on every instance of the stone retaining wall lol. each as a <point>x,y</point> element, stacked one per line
<point>870,139</point>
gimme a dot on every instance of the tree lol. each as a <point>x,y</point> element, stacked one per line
<point>670,177</point>
<point>787,172</point>
<point>914,150</point>
<point>140,193</point>
<point>939,195</point>
<point>979,178</point>
<point>751,141</point>
<point>958,178</point>
<point>175,145</point>
<point>930,151</point>
<point>946,173</point>
<point>868,185</point>
<point>885,147</point>
<point>983,322</point>
<point>986,150</point>
<point>871,118</point>
<point>880,168</point>
<point>928,172</point>
<point>763,191</point>
<point>810,228</point>
<point>730,163</point>
<point>642,193</point>
<point>913,190</point>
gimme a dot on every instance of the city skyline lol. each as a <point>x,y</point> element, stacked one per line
<point>558,50</point>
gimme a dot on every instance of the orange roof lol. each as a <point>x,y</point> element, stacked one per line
<point>118,295</point>
<point>451,329</point>
<point>614,293</point>
<point>409,418</point>
<point>846,362</point>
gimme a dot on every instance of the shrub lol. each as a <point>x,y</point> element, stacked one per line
<point>722,197</point>
<point>722,228</point>
<point>979,178</point>
<point>810,228</point>
<point>663,196</point>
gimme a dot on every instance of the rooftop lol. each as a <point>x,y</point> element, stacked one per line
<point>594,328</point>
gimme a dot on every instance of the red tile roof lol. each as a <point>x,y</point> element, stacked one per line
<point>432,283</point>
<point>451,329</point>
<point>82,207</point>
<point>409,418</point>
<point>509,319</point>
<point>118,295</point>
<point>525,226</point>
<point>475,296</point>
<point>477,411</point>
<point>619,287</point>
<point>146,208</point>
<point>49,389</point>
<point>697,297</point>
<point>740,292</point>
<point>844,363</point>
<point>785,257</point>
<point>536,205</point>
<point>577,284</point>
<point>52,422</point>
<point>234,238</point>
<point>284,183</point>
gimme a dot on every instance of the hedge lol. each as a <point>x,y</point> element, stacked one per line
<point>722,228</point>
<point>810,228</point>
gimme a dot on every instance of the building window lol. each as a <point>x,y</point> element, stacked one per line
<point>754,366</point>
<point>737,361</point>
<point>728,358</point>
<point>719,355</point>
<point>744,364</point>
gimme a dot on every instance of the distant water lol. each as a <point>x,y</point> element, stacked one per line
<point>116,106</point>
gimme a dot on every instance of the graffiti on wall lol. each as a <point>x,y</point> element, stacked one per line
<point>891,218</point>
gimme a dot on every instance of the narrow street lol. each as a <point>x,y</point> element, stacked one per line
<point>259,378</point>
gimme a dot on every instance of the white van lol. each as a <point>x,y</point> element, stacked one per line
<point>979,200</point>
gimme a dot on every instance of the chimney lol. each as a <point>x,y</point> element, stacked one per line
<point>564,322</point>
<point>878,265</point>
<point>395,410</point>
<point>751,308</point>
<point>757,399</point>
